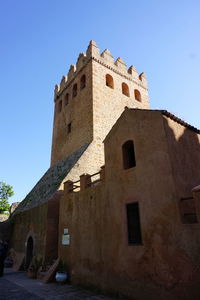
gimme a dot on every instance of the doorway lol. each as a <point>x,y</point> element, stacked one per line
<point>29,252</point>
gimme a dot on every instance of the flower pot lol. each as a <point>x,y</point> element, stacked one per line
<point>61,277</point>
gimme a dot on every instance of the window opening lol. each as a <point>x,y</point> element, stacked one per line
<point>109,81</point>
<point>125,89</point>
<point>137,95</point>
<point>69,127</point>
<point>128,155</point>
<point>83,82</point>
<point>66,99</point>
<point>74,92</point>
<point>133,223</point>
<point>60,105</point>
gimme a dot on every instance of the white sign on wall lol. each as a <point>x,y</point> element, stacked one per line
<point>66,230</point>
<point>65,239</point>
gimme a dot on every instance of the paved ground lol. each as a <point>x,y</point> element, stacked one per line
<point>17,286</point>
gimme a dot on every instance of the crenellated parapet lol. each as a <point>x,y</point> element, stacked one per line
<point>107,60</point>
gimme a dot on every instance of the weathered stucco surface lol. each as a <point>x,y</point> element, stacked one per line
<point>41,223</point>
<point>165,266</point>
<point>184,150</point>
<point>33,223</point>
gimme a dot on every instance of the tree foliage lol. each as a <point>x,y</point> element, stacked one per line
<point>6,191</point>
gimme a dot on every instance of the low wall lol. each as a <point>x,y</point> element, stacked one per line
<point>99,256</point>
<point>6,229</point>
<point>30,223</point>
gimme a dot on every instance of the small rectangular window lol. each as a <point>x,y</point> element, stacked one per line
<point>69,127</point>
<point>133,222</point>
<point>74,91</point>
<point>60,105</point>
<point>66,99</point>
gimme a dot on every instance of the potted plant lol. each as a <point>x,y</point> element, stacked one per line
<point>61,274</point>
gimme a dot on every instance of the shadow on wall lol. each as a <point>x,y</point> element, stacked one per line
<point>6,228</point>
<point>184,153</point>
<point>174,242</point>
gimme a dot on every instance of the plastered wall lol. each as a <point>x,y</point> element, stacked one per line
<point>164,266</point>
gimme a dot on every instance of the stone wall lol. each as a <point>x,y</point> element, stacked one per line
<point>41,223</point>
<point>78,112</point>
<point>13,207</point>
<point>6,230</point>
<point>95,109</point>
<point>50,181</point>
<point>32,222</point>
<point>52,224</point>
<point>3,217</point>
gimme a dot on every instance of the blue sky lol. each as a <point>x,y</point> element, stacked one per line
<point>39,39</point>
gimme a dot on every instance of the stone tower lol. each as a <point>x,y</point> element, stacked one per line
<point>88,102</point>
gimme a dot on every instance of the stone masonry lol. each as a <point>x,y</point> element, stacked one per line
<point>94,109</point>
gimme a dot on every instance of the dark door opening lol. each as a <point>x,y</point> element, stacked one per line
<point>29,252</point>
<point>133,222</point>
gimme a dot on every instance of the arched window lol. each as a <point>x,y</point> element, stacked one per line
<point>137,95</point>
<point>74,91</point>
<point>109,81</point>
<point>83,82</point>
<point>66,99</point>
<point>125,89</point>
<point>128,155</point>
<point>60,106</point>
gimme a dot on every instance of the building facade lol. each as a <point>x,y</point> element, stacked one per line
<point>118,204</point>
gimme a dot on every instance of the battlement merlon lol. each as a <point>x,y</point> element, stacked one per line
<point>106,59</point>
